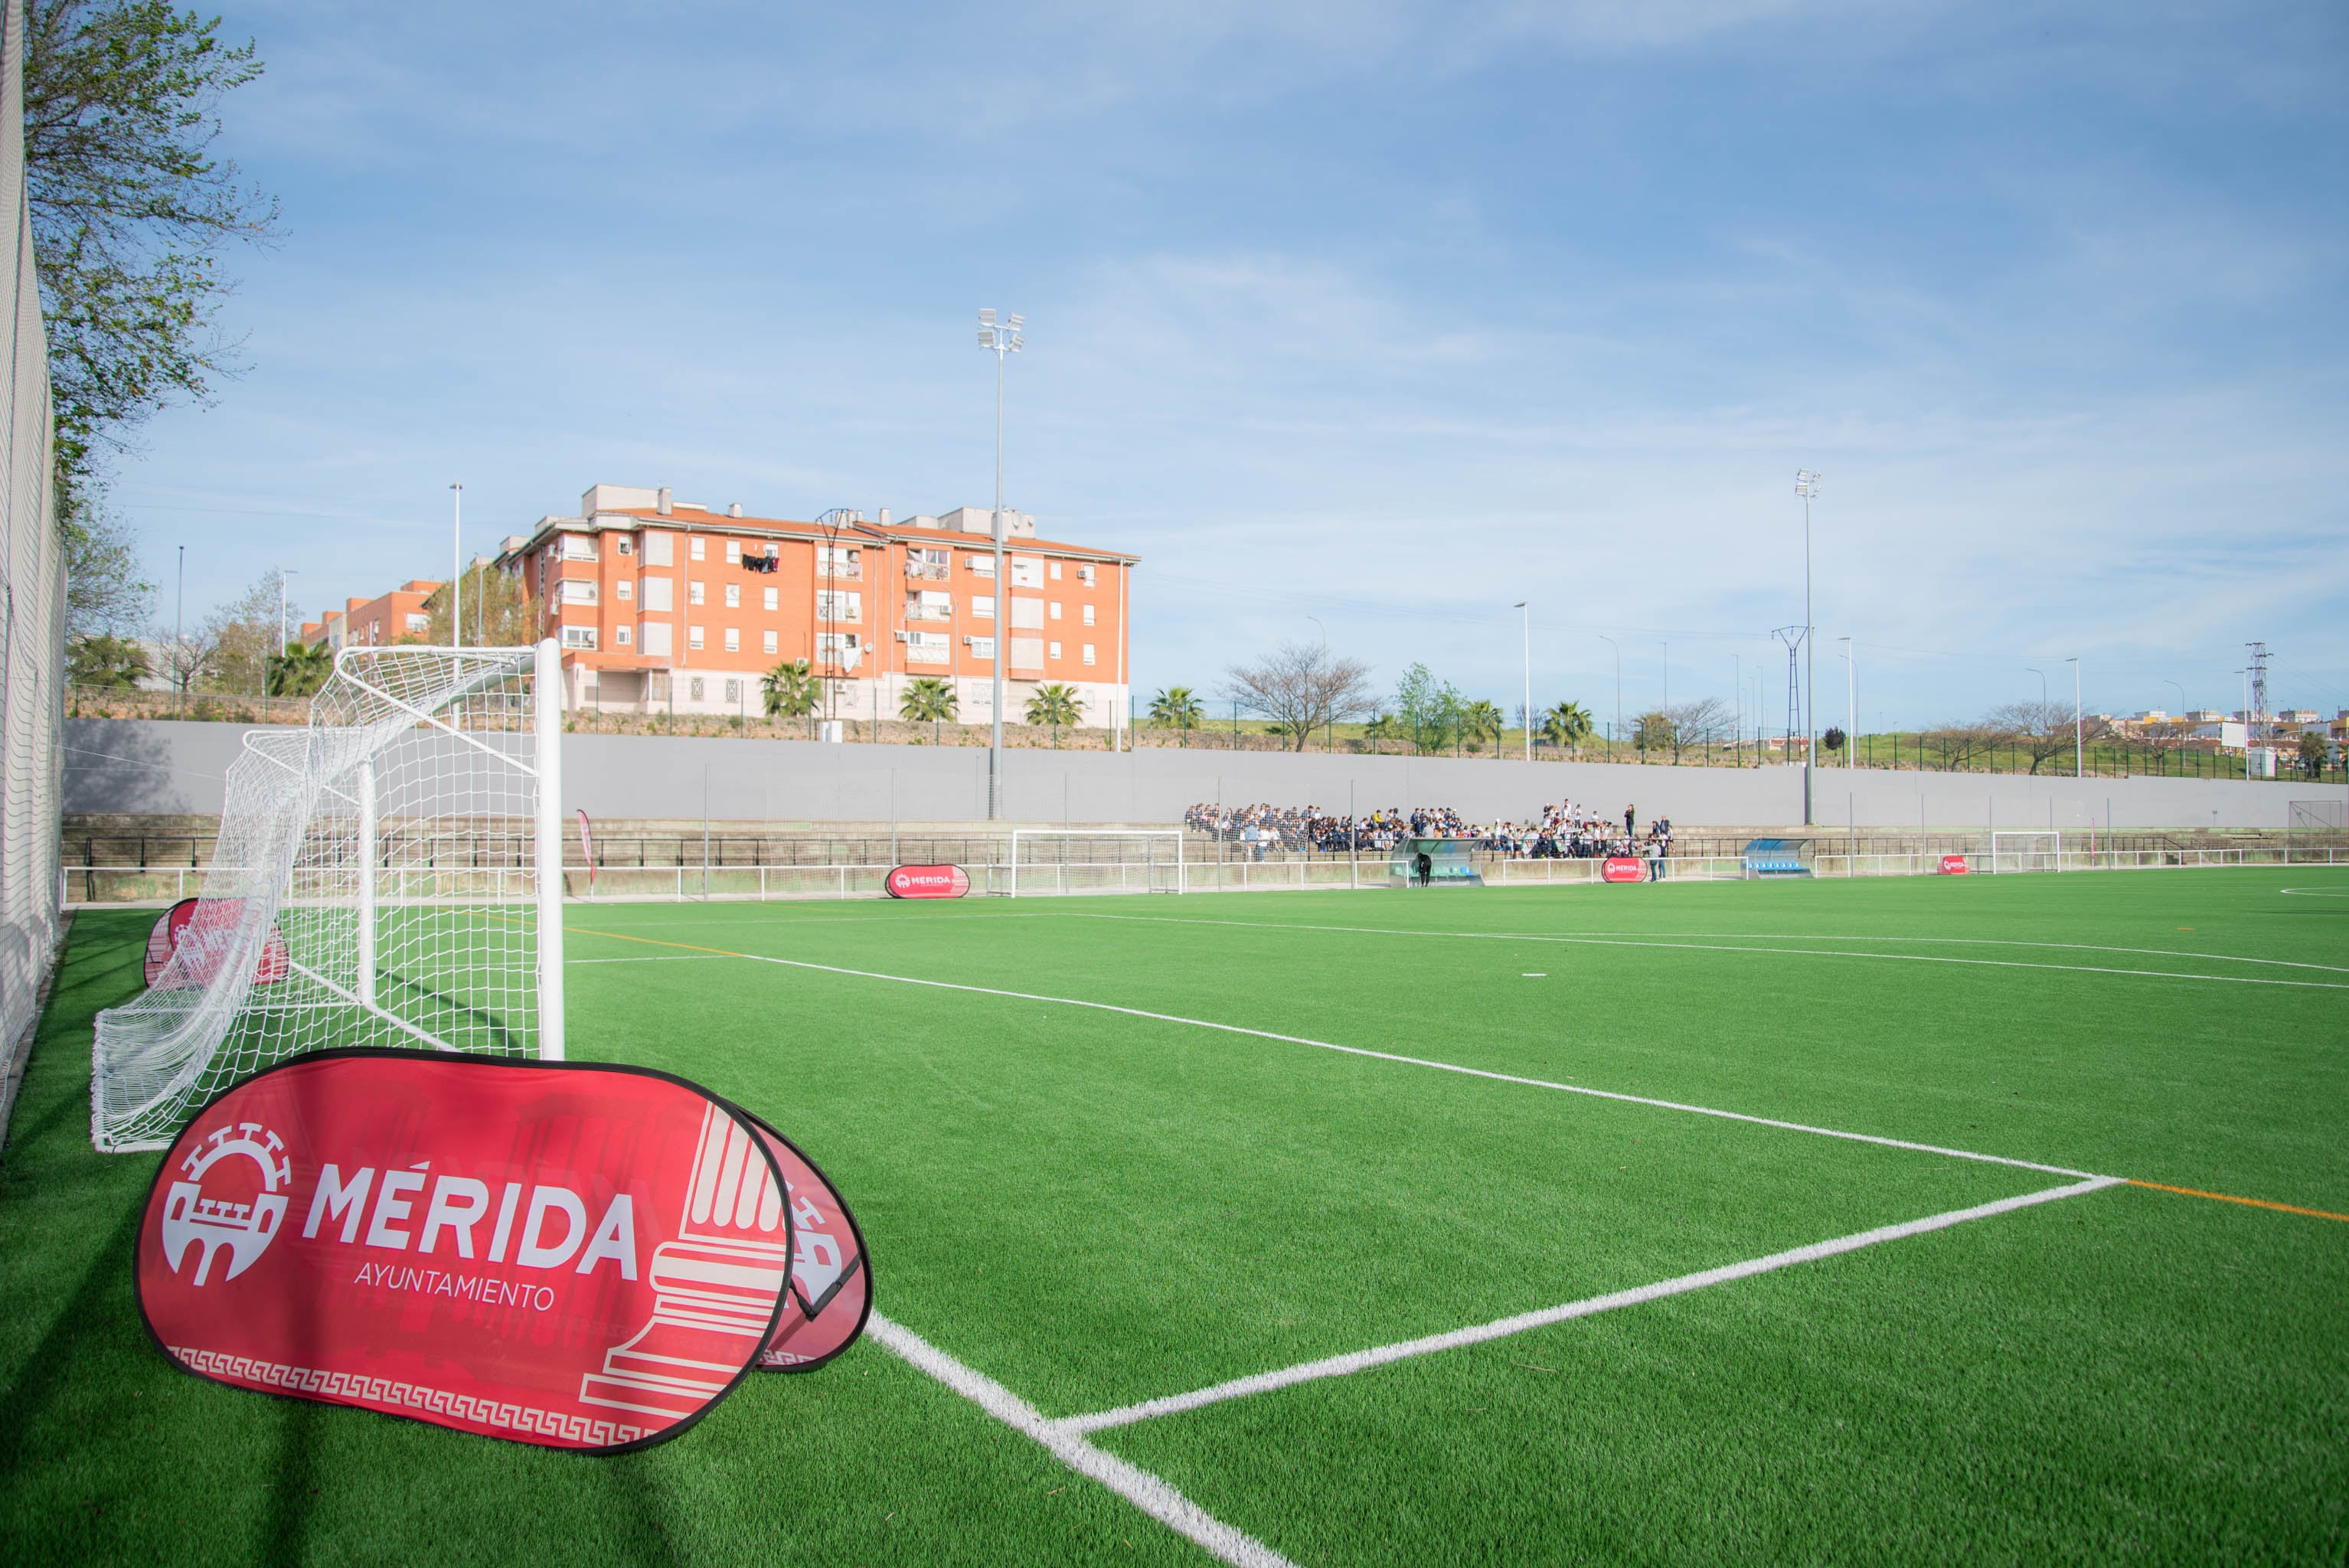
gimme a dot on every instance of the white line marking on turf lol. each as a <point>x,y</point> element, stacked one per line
<point>1361,1360</point>
<point>665,958</point>
<point>1588,940</point>
<point>1146,1491</point>
<point>1424,1062</point>
<point>2314,892</point>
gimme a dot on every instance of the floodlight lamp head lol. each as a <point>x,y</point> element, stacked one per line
<point>987,337</point>
<point>1015,321</point>
<point>987,317</point>
<point>1015,341</point>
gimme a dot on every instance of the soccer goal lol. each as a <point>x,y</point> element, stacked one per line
<point>1054,860</point>
<point>2039,851</point>
<point>378,882</point>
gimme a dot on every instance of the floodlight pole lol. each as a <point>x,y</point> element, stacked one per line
<point>1328,718</point>
<point>1528,713</point>
<point>1850,696</point>
<point>1006,339</point>
<point>282,575</point>
<point>2079,743</point>
<point>456,568</point>
<point>1806,485</point>
<point>1613,733</point>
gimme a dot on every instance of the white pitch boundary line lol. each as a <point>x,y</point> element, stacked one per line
<point>662,958</point>
<point>1362,1360</point>
<point>1420,1062</point>
<point>1734,936</point>
<point>1146,1491</point>
<point>1720,947</point>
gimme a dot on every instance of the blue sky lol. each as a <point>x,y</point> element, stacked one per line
<point>1387,314</point>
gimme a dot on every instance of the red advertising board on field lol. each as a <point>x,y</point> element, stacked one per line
<point>928,881</point>
<point>1624,868</point>
<point>1954,866</point>
<point>205,931</point>
<point>832,1288</point>
<point>579,1256</point>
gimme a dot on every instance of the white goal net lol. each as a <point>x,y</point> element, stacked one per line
<point>2041,851</point>
<point>1052,861</point>
<point>376,882</point>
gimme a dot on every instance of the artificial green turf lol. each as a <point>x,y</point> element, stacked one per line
<point>1095,1208</point>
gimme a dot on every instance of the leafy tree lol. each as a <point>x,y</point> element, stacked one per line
<point>2313,750</point>
<point>498,609</point>
<point>102,659</point>
<point>1054,704</point>
<point>928,697</point>
<point>244,635</point>
<point>130,211</point>
<point>1566,724</point>
<point>1482,719</point>
<point>1302,687</point>
<point>104,593</point>
<point>1834,738</point>
<point>1176,707</point>
<point>791,689</point>
<point>1428,713</point>
<point>301,670</point>
<point>1654,731</point>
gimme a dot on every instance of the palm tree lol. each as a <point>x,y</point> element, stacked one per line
<point>301,669</point>
<point>1176,708</point>
<point>1054,704</point>
<point>928,697</point>
<point>791,689</point>
<point>1481,719</point>
<point>1566,724</point>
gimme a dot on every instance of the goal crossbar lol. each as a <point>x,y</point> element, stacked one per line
<point>1161,872</point>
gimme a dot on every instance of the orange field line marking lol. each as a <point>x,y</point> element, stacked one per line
<point>2248,1203</point>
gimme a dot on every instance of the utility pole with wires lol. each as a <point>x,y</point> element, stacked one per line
<point>1794,637</point>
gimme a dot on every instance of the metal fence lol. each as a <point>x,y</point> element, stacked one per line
<point>32,604</point>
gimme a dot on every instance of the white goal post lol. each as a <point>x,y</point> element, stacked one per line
<point>1055,861</point>
<point>2032,852</point>
<point>376,882</point>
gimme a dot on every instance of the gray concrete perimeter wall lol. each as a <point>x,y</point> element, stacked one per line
<point>159,766</point>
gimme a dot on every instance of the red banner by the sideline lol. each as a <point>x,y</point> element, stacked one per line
<point>927,881</point>
<point>575,1255</point>
<point>832,1285</point>
<point>205,931</point>
<point>1954,866</point>
<point>1624,868</point>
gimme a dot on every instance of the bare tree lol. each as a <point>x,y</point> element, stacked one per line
<point>1302,687</point>
<point>2044,729</point>
<point>1699,724</point>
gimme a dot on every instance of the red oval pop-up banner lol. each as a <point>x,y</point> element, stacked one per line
<point>1954,866</point>
<point>927,881</point>
<point>578,1256</point>
<point>1624,868</point>
<point>832,1288</point>
<point>205,930</point>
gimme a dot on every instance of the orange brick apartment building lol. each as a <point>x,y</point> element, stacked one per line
<point>663,605</point>
<point>370,623</point>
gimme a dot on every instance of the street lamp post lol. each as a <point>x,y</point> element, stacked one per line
<point>456,567</point>
<point>2079,733</point>
<point>1000,341</point>
<point>282,575</point>
<point>1806,485</point>
<point>1329,720</point>
<point>1528,713</point>
<point>1850,696</point>
<point>1619,696</point>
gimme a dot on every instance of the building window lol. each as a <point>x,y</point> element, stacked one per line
<point>578,547</point>
<point>1055,610</point>
<point>767,638</point>
<point>1055,570</point>
<point>658,549</point>
<point>417,623</point>
<point>1089,615</point>
<point>624,546</point>
<point>624,589</point>
<point>656,644</point>
<point>982,606</point>
<point>929,565</point>
<point>838,648</point>
<point>1026,653</point>
<point>982,565</point>
<point>623,635</point>
<point>578,636</point>
<point>578,591</point>
<point>733,640</point>
<point>839,604</point>
<point>838,561</point>
<point>693,688</point>
<point>1055,650</point>
<point>693,638</point>
<point>928,648</point>
<point>733,691</point>
<point>1028,615</point>
<point>699,550</point>
<point>980,647</point>
<point>1027,571</point>
<point>693,593</point>
<point>733,556</point>
<point>774,598</point>
<point>1089,653</point>
<point>929,605</point>
<point>733,596</point>
<point>1086,576</point>
<point>657,594</point>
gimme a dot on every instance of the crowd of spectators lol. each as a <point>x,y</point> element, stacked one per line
<point>1563,831</point>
